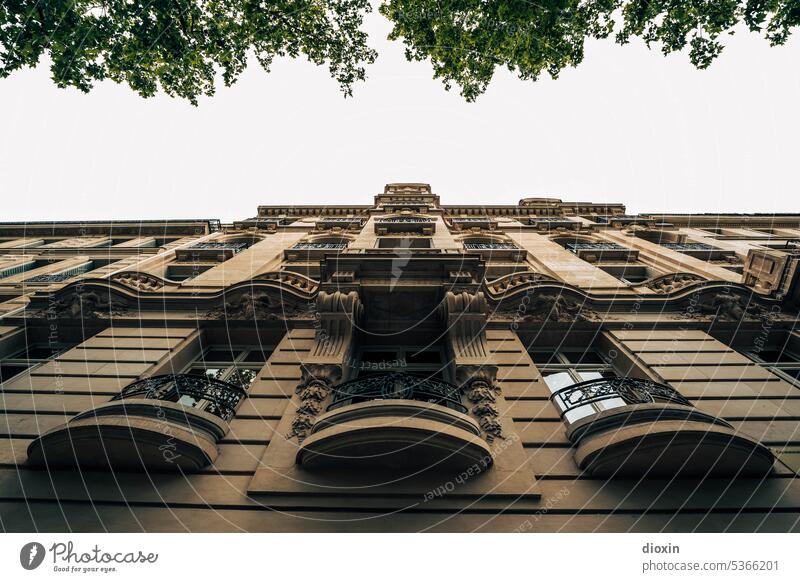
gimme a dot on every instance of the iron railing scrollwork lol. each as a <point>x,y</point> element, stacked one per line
<point>222,246</point>
<point>397,385</point>
<point>406,219</point>
<point>319,246</point>
<point>213,396</point>
<point>605,246</point>
<point>689,247</point>
<point>54,278</point>
<point>490,246</point>
<point>630,390</point>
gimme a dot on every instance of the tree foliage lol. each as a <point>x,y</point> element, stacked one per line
<point>181,46</point>
<point>184,46</point>
<point>466,40</point>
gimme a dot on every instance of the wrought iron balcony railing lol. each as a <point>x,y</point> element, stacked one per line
<point>56,278</point>
<point>319,246</point>
<point>408,219</point>
<point>397,385</point>
<point>219,246</point>
<point>490,246</point>
<point>605,246</point>
<point>622,219</point>
<point>689,247</point>
<point>213,396</point>
<point>606,393</point>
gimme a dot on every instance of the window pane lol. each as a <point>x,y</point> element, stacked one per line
<point>221,355</point>
<point>584,357</point>
<point>557,380</point>
<point>383,357</point>
<point>39,353</point>
<point>793,372</point>
<point>543,358</point>
<point>9,371</point>
<point>776,356</point>
<point>256,356</point>
<point>187,400</point>
<point>427,357</point>
<point>596,375</point>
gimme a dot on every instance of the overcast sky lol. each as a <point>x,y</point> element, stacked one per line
<point>628,125</point>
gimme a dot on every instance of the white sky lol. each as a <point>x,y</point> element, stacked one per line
<point>628,125</point>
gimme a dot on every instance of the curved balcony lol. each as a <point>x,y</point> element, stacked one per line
<point>163,423</point>
<point>626,427</point>
<point>395,421</point>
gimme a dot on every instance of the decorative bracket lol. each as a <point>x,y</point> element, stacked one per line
<point>465,316</point>
<point>337,315</point>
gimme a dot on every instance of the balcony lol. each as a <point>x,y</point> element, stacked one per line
<point>406,224</point>
<point>314,251</point>
<point>395,420</point>
<point>699,250</point>
<point>496,250</point>
<point>623,220</point>
<point>602,251</point>
<point>163,423</point>
<point>626,427</point>
<point>210,251</point>
<point>319,246</point>
<point>345,223</point>
<point>260,223</point>
<point>466,223</point>
<point>551,223</point>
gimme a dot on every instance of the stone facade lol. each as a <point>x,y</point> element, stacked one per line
<point>404,365</point>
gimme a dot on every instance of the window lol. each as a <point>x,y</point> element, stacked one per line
<point>631,273</point>
<point>561,369</point>
<point>185,272</point>
<point>29,357</point>
<point>236,365</point>
<point>780,360</point>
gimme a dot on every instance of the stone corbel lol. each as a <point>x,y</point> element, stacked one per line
<point>465,316</point>
<point>337,315</point>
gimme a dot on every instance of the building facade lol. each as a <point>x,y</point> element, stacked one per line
<point>404,365</point>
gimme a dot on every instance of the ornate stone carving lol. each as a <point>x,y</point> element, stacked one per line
<point>304,286</point>
<point>318,379</point>
<point>257,304</point>
<point>547,306</point>
<point>672,282</point>
<point>139,281</point>
<point>86,304</point>
<point>729,306</point>
<point>479,384</point>
<point>513,282</point>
